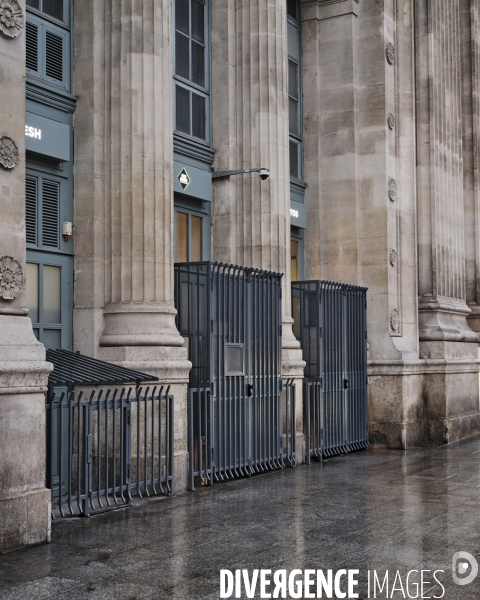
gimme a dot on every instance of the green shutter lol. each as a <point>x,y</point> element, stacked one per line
<point>50,210</point>
<point>32,47</point>
<point>54,56</point>
<point>31,209</point>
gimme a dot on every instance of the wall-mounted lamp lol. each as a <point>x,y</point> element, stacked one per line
<point>66,230</point>
<point>264,173</point>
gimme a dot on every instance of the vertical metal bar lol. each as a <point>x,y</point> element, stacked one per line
<point>160,440</point>
<point>139,411</point>
<point>70,400</point>
<point>114,446</point>
<point>191,440</point>
<point>121,440</point>
<point>99,454</point>
<point>145,442</point>
<point>79,446</point>
<point>107,474</point>
<point>152,402</point>
<point>171,424</point>
<point>60,455</point>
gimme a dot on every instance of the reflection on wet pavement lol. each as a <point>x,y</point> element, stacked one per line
<point>375,510</point>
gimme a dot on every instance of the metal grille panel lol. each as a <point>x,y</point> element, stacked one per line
<point>105,446</point>
<point>230,317</point>
<point>331,325</point>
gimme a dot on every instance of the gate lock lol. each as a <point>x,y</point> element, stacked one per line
<point>250,389</point>
<point>345,384</point>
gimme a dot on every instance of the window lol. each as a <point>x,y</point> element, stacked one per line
<point>48,41</point>
<point>192,232</point>
<point>296,254</point>
<point>191,73</point>
<point>294,88</point>
<point>49,297</point>
<point>56,9</point>
<point>294,259</point>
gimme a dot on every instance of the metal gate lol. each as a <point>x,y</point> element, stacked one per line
<point>230,317</point>
<point>105,445</point>
<point>330,321</point>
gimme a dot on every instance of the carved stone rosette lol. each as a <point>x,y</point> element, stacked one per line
<point>393,257</point>
<point>395,320</point>
<point>11,18</point>
<point>8,153</point>
<point>392,190</point>
<point>391,121</point>
<point>390,53</point>
<point>12,278</point>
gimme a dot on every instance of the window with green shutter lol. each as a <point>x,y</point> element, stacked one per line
<point>43,211</point>
<point>48,42</point>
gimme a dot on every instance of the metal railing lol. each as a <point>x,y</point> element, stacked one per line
<point>105,446</point>
<point>331,324</point>
<point>231,319</point>
<point>239,436</point>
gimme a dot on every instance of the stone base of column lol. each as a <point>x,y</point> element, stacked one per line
<point>434,400</point>
<point>25,520</point>
<point>444,320</point>
<point>395,404</point>
<point>171,366</point>
<point>293,367</point>
<point>25,503</point>
<point>450,391</point>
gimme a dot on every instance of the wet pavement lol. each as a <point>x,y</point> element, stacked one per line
<point>375,510</point>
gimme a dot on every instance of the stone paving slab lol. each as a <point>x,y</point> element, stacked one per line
<point>371,510</point>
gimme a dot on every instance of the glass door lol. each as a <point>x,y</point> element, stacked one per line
<point>49,287</point>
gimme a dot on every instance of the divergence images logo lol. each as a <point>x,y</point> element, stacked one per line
<point>462,563</point>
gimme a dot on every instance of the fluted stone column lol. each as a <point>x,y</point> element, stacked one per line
<point>447,343</point>
<point>251,218</point>
<point>470,21</point>
<point>24,500</point>
<point>124,195</point>
<point>359,137</point>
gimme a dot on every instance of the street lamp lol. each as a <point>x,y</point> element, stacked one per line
<point>264,173</point>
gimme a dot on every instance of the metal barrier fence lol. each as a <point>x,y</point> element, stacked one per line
<point>239,436</point>
<point>330,322</point>
<point>105,446</point>
<point>231,319</point>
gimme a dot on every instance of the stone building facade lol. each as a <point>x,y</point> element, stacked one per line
<point>113,116</point>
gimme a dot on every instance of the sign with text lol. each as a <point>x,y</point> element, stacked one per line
<point>47,137</point>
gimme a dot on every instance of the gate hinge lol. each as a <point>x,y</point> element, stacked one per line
<point>366,335</point>
<point>212,326</point>
<point>280,332</point>
<point>320,331</point>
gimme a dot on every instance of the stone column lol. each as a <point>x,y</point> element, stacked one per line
<point>447,343</point>
<point>24,500</point>
<point>470,21</point>
<point>251,218</point>
<point>360,171</point>
<point>124,195</point>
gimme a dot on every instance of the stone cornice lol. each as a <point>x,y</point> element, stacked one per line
<point>327,9</point>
